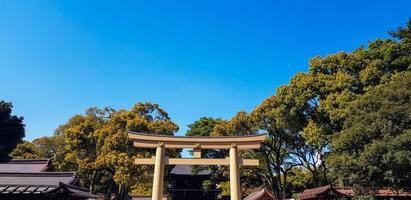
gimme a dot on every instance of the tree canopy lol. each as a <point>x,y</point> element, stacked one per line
<point>11,130</point>
<point>97,146</point>
<point>374,147</point>
<point>310,118</point>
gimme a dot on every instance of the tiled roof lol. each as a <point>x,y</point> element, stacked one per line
<point>33,190</point>
<point>25,189</point>
<point>26,166</point>
<point>187,170</point>
<point>383,192</point>
<point>258,194</point>
<point>36,183</point>
<point>315,192</point>
<point>40,178</point>
<point>348,191</point>
<point>41,183</point>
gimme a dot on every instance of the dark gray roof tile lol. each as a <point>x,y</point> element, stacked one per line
<point>25,166</point>
<point>42,178</point>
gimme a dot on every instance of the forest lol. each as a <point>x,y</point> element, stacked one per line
<point>345,121</point>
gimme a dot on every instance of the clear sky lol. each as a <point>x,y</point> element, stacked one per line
<point>194,58</point>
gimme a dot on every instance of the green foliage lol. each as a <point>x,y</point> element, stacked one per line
<point>53,147</point>
<point>11,130</point>
<point>97,145</point>
<point>298,180</point>
<point>225,188</point>
<point>302,118</point>
<point>25,150</point>
<point>207,185</point>
<point>240,124</point>
<point>203,127</point>
<point>374,147</point>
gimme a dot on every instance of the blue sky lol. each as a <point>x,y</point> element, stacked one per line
<point>194,58</point>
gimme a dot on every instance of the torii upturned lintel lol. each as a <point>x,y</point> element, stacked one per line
<point>144,140</point>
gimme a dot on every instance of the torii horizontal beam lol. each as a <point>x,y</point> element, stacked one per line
<point>196,161</point>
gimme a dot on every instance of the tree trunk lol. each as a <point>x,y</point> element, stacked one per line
<point>122,194</point>
<point>325,173</point>
<point>93,181</point>
<point>284,183</point>
<point>270,171</point>
<point>278,172</point>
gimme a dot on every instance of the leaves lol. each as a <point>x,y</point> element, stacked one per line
<point>11,130</point>
<point>375,138</point>
<point>97,146</point>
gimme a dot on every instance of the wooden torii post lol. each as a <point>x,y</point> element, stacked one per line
<point>162,142</point>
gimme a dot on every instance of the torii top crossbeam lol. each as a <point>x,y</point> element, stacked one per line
<point>179,142</point>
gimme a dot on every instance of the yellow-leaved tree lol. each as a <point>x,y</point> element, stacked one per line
<point>97,147</point>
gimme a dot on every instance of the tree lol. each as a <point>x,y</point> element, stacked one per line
<point>238,125</point>
<point>44,147</point>
<point>11,130</point>
<point>52,147</point>
<point>319,99</point>
<point>25,150</point>
<point>310,138</point>
<point>205,127</point>
<point>298,180</point>
<point>281,126</point>
<point>303,116</point>
<point>250,178</point>
<point>374,147</point>
<point>97,146</point>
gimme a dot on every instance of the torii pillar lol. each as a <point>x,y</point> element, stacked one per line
<point>158,173</point>
<point>235,192</point>
<point>162,142</point>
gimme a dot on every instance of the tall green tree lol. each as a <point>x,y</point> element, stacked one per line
<point>280,124</point>
<point>239,125</point>
<point>374,147</point>
<point>303,116</point>
<point>205,127</point>
<point>97,146</point>
<point>319,98</point>
<point>266,118</point>
<point>11,130</point>
<point>25,150</point>
<point>44,147</point>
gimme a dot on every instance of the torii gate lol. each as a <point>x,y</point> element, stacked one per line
<point>162,142</point>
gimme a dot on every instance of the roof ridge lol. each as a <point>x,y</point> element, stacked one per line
<point>27,161</point>
<point>28,185</point>
<point>19,174</point>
